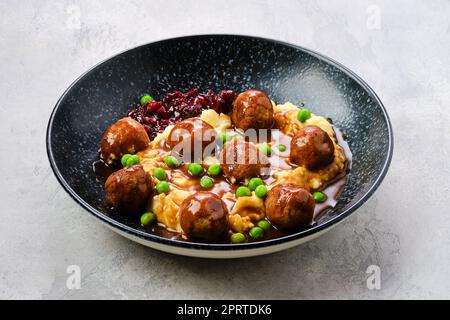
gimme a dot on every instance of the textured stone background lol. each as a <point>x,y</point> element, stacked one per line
<point>404,228</point>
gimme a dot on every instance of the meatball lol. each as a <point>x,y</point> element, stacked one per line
<point>204,216</point>
<point>241,159</point>
<point>190,137</point>
<point>252,109</point>
<point>125,136</point>
<point>312,148</point>
<point>128,189</point>
<point>289,207</point>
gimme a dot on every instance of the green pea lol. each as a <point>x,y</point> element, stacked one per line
<point>319,197</point>
<point>195,169</point>
<point>243,192</point>
<point>124,159</point>
<point>224,137</point>
<point>146,98</point>
<point>132,160</point>
<point>281,148</point>
<point>264,224</point>
<point>256,232</point>
<point>162,187</point>
<point>148,218</point>
<point>160,174</point>
<point>171,161</point>
<point>254,183</point>
<point>206,182</point>
<point>238,238</point>
<point>214,170</point>
<point>265,148</point>
<point>261,191</point>
<point>303,115</point>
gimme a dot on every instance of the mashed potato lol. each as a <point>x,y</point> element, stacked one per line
<point>286,119</point>
<point>246,211</point>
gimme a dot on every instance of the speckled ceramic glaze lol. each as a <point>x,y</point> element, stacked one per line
<point>286,72</point>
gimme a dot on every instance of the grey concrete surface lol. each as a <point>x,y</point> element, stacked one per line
<point>401,48</point>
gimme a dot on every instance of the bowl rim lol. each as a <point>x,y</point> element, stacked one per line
<point>211,246</point>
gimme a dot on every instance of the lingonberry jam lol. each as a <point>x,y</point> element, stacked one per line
<point>155,116</point>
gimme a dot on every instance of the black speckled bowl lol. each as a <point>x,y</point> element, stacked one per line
<point>286,72</point>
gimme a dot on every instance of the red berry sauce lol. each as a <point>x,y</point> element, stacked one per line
<point>155,116</point>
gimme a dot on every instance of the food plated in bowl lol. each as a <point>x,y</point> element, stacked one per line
<point>284,72</point>
<point>244,170</point>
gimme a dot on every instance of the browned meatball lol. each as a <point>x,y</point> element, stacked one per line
<point>204,215</point>
<point>190,137</point>
<point>252,109</point>
<point>128,189</point>
<point>241,159</point>
<point>289,207</point>
<point>125,136</point>
<point>312,148</point>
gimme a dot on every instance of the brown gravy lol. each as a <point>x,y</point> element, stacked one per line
<point>279,161</point>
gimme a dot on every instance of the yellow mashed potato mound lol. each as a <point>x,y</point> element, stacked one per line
<point>286,119</point>
<point>246,210</point>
